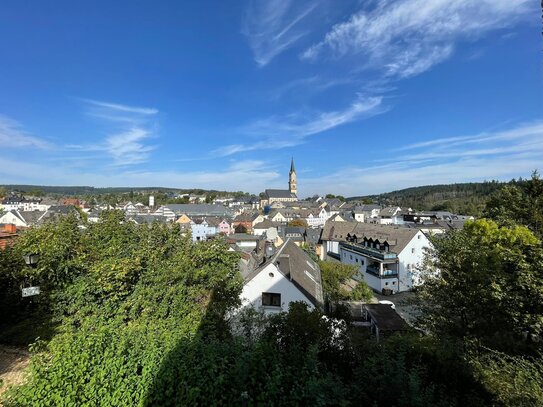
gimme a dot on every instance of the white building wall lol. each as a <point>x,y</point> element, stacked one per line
<point>271,280</point>
<point>10,218</point>
<point>201,232</point>
<point>359,217</point>
<point>411,259</point>
<point>361,262</point>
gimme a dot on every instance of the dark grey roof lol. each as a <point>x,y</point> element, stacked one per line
<point>31,217</point>
<point>246,217</point>
<point>279,193</point>
<point>242,237</point>
<point>366,208</point>
<point>148,218</point>
<point>295,264</point>
<point>312,236</point>
<point>397,237</point>
<point>386,318</point>
<point>200,209</point>
<point>294,230</point>
<point>12,199</point>
<point>56,211</point>
<point>388,211</point>
<point>267,224</point>
<point>61,209</point>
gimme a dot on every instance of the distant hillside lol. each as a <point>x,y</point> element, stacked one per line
<point>86,190</point>
<point>466,199</point>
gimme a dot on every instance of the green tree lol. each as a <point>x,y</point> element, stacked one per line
<point>519,203</point>
<point>125,296</point>
<point>298,223</point>
<point>339,284</point>
<point>485,285</point>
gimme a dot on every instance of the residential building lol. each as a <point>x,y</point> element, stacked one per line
<point>244,241</point>
<point>201,229</point>
<point>386,214</point>
<point>288,276</point>
<point>20,203</point>
<point>22,219</point>
<point>388,257</point>
<point>200,210</point>
<point>317,217</point>
<point>363,213</point>
<point>295,234</point>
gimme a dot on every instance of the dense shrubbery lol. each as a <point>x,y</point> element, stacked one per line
<point>124,296</point>
<point>139,318</point>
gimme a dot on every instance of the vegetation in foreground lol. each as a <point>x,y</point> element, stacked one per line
<point>137,317</point>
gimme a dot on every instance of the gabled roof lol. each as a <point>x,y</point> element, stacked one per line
<point>148,218</point>
<point>389,211</point>
<point>279,193</point>
<point>31,217</point>
<point>296,265</point>
<point>366,208</point>
<point>245,217</point>
<point>266,224</point>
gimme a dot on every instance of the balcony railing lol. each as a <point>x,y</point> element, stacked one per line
<point>385,274</point>
<point>370,251</point>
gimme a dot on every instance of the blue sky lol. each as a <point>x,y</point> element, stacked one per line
<point>367,96</point>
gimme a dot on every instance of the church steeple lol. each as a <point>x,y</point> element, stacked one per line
<point>292,179</point>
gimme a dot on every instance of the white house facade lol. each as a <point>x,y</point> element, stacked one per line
<point>386,261</point>
<point>289,276</point>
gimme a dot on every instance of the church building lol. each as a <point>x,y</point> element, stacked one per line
<point>282,195</point>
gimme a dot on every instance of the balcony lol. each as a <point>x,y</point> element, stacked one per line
<point>370,251</point>
<point>384,274</point>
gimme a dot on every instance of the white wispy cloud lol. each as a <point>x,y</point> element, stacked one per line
<point>13,135</point>
<point>280,132</point>
<point>117,107</point>
<point>272,26</point>
<point>491,155</point>
<point>403,38</point>
<point>131,129</point>
<point>525,131</point>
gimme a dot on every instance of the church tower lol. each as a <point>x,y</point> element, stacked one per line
<point>292,179</point>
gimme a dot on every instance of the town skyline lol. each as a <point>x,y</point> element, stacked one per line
<point>105,95</point>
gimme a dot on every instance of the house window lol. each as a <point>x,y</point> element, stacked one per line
<point>271,299</point>
<point>351,256</point>
<point>356,260</point>
<point>362,262</point>
<point>413,250</point>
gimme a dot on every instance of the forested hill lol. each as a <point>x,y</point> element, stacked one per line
<point>467,198</point>
<point>87,190</point>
